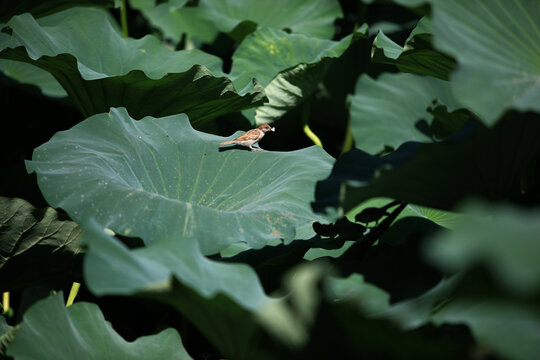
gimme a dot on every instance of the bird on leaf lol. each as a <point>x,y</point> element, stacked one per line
<point>251,137</point>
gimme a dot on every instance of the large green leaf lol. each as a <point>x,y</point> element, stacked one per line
<point>30,74</point>
<point>36,245</point>
<point>339,321</point>
<point>288,66</point>
<point>493,164</point>
<point>378,120</point>
<point>508,328</point>
<point>496,47</point>
<point>505,240</point>
<point>159,178</point>
<point>417,56</point>
<point>99,69</point>
<point>38,8</point>
<point>313,18</point>
<point>52,331</point>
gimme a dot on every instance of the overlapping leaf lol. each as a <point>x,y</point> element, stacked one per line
<point>158,178</point>
<point>505,240</point>
<point>30,74</point>
<point>52,331</point>
<point>99,69</point>
<point>497,47</point>
<point>36,245</point>
<point>417,56</point>
<point>394,109</point>
<point>289,67</point>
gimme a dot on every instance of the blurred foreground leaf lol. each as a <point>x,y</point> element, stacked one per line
<point>490,163</point>
<point>503,238</point>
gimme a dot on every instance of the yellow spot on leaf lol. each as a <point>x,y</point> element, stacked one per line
<point>127,231</point>
<point>272,49</point>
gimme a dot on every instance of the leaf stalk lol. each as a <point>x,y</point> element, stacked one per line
<point>123,19</point>
<point>307,130</point>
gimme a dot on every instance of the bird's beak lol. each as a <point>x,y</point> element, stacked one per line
<point>273,129</point>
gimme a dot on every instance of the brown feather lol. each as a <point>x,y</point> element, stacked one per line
<point>252,134</point>
<point>250,137</point>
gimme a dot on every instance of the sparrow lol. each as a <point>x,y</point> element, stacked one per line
<point>251,137</point>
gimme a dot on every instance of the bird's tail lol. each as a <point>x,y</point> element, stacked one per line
<point>227,143</point>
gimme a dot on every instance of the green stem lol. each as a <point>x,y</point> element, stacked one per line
<point>189,45</point>
<point>5,302</point>
<point>310,134</point>
<point>123,19</point>
<point>307,130</point>
<point>73,293</point>
<point>348,142</point>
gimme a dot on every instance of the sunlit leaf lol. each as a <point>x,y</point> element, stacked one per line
<point>83,49</point>
<point>159,178</point>
<point>496,47</point>
<point>288,66</point>
<point>378,120</point>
